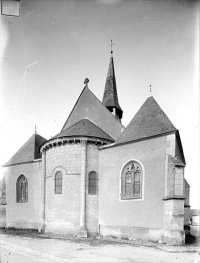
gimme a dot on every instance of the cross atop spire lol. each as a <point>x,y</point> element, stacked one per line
<point>111,47</point>
<point>86,82</point>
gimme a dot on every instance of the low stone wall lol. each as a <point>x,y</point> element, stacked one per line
<point>2,215</point>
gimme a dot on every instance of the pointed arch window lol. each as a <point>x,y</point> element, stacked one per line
<point>58,182</point>
<point>92,183</point>
<point>131,181</point>
<point>22,189</point>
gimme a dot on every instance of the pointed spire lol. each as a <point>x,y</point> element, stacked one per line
<point>35,129</point>
<point>110,97</point>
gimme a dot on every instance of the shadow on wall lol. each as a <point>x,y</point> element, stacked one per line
<point>192,235</point>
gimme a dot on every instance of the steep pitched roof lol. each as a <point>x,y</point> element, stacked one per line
<point>84,128</point>
<point>88,106</point>
<point>149,121</point>
<point>28,152</point>
<point>176,161</point>
<point>194,212</point>
<point>110,97</point>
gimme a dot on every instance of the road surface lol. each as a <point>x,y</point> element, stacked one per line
<point>19,249</point>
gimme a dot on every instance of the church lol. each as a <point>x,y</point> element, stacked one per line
<point>97,177</point>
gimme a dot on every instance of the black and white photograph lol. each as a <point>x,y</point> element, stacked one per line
<point>99,131</point>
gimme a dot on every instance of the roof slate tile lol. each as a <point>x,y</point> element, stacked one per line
<point>110,97</point>
<point>84,128</point>
<point>28,152</point>
<point>149,121</point>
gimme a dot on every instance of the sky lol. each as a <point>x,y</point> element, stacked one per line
<point>47,52</point>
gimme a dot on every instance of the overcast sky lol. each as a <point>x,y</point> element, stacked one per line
<point>156,42</point>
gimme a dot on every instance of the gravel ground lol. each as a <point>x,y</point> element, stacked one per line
<point>102,241</point>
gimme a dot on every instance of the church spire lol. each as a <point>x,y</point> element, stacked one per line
<point>110,97</point>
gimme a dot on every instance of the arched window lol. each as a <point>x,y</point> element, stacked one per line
<point>58,182</point>
<point>131,181</point>
<point>92,183</point>
<point>22,189</point>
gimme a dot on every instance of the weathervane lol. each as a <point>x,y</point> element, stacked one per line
<point>111,46</point>
<point>150,89</point>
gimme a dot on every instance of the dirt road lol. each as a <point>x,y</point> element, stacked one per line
<point>23,249</point>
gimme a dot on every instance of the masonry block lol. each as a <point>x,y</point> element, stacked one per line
<point>173,237</point>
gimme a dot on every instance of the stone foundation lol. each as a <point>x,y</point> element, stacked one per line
<point>132,233</point>
<point>22,224</point>
<point>2,215</point>
<point>170,237</point>
<point>174,237</point>
<point>82,233</point>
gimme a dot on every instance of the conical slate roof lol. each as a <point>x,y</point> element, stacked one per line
<point>28,152</point>
<point>84,128</point>
<point>110,97</point>
<point>88,106</point>
<point>149,121</point>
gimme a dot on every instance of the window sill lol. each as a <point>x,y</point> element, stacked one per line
<point>136,198</point>
<point>131,199</point>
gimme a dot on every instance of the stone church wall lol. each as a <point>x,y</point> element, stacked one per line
<point>63,210</point>
<point>24,215</point>
<point>143,218</point>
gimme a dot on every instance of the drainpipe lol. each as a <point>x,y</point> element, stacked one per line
<point>83,231</point>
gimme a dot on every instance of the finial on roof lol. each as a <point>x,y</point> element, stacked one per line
<point>150,90</point>
<point>86,82</point>
<point>35,130</point>
<point>111,47</point>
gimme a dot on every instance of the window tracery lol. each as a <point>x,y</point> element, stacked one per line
<point>22,189</point>
<point>131,181</point>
